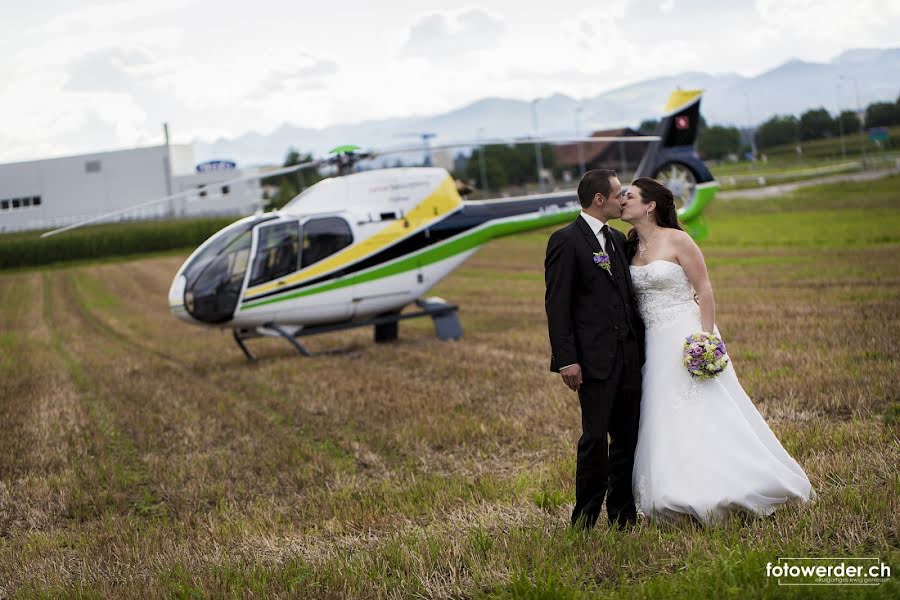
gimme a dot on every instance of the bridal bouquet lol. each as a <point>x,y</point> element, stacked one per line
<point>704,355</point>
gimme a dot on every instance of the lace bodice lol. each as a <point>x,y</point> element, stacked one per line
<point>664,293</point>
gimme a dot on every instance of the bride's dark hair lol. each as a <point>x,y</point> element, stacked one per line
<point>666,214</point>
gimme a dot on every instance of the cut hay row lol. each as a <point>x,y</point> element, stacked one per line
<point>142,457</point>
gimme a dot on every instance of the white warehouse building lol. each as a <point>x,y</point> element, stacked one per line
<point>53,192</point>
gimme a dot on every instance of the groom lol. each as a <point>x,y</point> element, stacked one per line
<point>597,340</point>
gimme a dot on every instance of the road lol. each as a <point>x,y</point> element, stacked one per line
<point>770,191</point>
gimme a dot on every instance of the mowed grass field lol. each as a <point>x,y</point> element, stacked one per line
<point>142,457</point>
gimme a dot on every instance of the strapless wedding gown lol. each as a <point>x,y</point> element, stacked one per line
<point>703,449</point>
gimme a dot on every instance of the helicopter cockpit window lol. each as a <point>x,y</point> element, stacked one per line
<point>277,252</point>
<point>323,237</point>
<point>215,276</point>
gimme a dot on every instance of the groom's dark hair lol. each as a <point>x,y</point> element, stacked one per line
<point>595,181</point>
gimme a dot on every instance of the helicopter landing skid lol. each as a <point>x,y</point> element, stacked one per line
<point>267,330</point>
<point>442,313</point>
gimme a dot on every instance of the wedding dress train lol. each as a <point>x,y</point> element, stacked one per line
<point>703,448</point>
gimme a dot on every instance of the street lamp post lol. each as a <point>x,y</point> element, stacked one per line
<point>751,128</point>
<point>862,134</point>
<point>837,94</point>
<point>578,110</point>
<point>481,163</point>
<point>537,145</point>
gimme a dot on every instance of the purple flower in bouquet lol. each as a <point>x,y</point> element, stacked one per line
<point>704,355</point>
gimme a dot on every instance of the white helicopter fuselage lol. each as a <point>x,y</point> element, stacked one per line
<point>369,243</point>
<point>364,244</point>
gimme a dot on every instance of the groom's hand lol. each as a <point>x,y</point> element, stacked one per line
<point>572,376</point>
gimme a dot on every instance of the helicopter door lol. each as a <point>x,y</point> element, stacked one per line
<point>277,252</point>
<point>281,249</point>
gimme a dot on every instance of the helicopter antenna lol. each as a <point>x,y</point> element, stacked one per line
<point>425,136</point>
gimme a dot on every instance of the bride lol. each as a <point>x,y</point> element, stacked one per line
<point>703,449</point>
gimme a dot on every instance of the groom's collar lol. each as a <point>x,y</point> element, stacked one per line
<point>593,222</point>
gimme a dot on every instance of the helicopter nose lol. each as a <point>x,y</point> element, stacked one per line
<point>176,299</point>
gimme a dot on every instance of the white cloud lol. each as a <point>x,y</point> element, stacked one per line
<point>104,16</point>
<point>110,69</point>
<point>446,36</point>
<point>108,73</point>
<point>827,20</point>
<point>306,78</point>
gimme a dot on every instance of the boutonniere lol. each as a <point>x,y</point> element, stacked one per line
<point>601,259</point>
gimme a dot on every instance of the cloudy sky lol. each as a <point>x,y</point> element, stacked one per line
<point>88,75</point>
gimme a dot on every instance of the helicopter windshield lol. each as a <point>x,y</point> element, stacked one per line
<point>215,276</point>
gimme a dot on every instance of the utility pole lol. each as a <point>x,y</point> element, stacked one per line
<point>425,138</point>
<point>859,112</point>
<point>578,110</point>
<point>481,164</point>
<point>167,171</point>
<point>537,145</point>
<point>837,95</point>
<point>751,128</point>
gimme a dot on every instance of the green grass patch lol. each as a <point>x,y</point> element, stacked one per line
<point>848,196</point>
<point>825,228</point>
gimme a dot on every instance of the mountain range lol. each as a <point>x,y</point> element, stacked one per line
<point>730,99</point>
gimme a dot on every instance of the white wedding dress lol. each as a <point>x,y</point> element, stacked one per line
<point>703,449</point>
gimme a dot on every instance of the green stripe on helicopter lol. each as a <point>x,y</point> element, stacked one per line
<point>432,254</point>
<point>691,217</point>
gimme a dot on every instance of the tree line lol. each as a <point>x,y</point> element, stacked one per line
<point>507,165</point>
<point>719,141</point>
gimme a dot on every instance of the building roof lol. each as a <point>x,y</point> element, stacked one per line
<point>567,154</point>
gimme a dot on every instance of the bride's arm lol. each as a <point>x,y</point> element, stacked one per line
<point>691,259</point>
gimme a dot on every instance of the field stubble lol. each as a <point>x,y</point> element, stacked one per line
<point>141,456</point>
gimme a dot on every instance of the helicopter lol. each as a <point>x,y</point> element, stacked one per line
<point>356,249</point>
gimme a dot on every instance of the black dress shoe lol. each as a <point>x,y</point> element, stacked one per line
<point>623,521</point>
<point>584,522</point>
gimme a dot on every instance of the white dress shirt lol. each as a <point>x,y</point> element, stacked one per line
<point>596,225</point>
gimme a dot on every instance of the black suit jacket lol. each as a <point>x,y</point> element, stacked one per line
<point>588,309</point>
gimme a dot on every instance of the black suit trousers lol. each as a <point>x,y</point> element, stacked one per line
<point>609,407</point>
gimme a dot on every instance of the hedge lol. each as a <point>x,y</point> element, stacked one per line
<point>102,241</point>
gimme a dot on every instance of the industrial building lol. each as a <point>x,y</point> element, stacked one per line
<point>53,192</point>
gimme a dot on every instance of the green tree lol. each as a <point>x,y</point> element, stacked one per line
<point>648,127</point>
<point>780,129</point>
<point>816,124</point>
<point>291,184</point>
<point>849,121</point>
<point>881,114</point>
<point>717,141</point>
<point>509,165</point>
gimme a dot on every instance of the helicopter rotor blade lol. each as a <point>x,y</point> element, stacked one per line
<point>516,141</point>
<point>184,194</point>
<point>361,155</point>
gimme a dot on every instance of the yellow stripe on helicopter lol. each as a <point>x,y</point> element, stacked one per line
<point>679,99</point>
<point>444,199</point>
